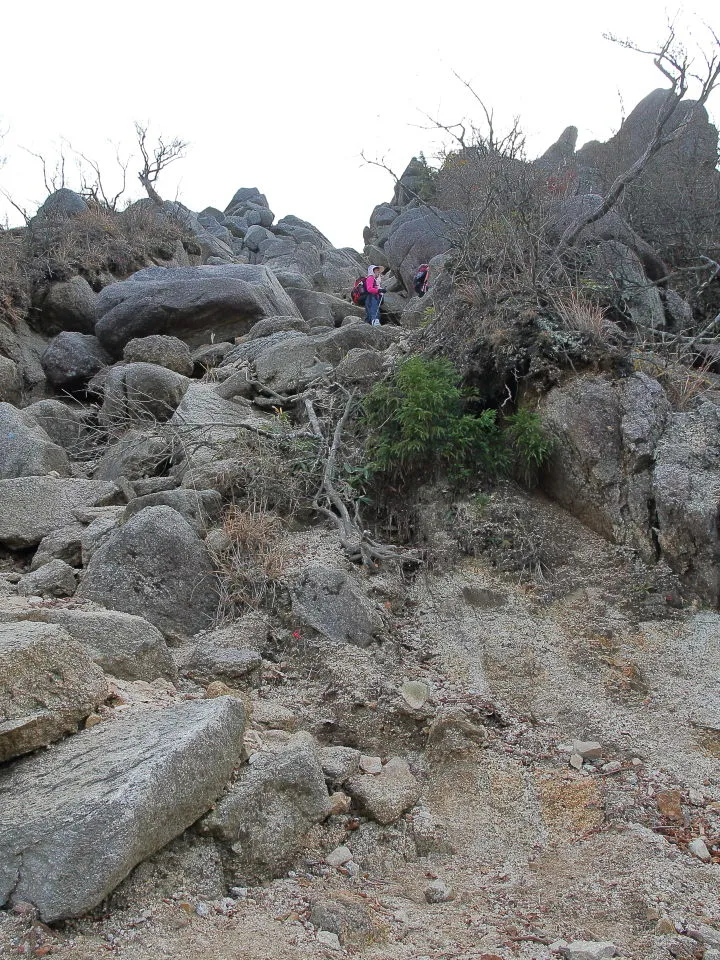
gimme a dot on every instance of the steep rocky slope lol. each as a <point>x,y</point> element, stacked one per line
<point>243,712</point>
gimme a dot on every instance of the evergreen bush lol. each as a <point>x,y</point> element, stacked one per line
<point>418,423</point>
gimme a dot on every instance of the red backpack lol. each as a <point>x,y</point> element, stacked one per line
<point>359,292</point>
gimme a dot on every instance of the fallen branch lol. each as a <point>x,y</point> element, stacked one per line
<point>357,543</point>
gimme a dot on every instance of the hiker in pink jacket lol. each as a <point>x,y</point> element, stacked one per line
<point>373,296</point>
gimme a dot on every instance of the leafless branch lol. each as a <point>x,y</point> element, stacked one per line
<point>94,188</point>
<point>156,158</point>
<point>52,179</point>
<point>673,63</point>
<point>21,210</point>
<point>359,546</point>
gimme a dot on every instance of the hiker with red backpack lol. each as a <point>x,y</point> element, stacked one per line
<point>373,296</point>
<point>421,278</point>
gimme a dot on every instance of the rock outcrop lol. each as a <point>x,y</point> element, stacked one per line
<point>638,472</point>
<point>131,785</point>
<point>189,302</point>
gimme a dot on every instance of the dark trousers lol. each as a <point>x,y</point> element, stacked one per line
<point>372,307</point>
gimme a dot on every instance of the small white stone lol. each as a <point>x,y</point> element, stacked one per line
<point>330,940</point>
<point>696,798</point>
<point>576,761</point>
<point>339,856</point>
<point>588,749</point>
<point>698,848</point>
<point>588,950</point>
<point>439,892</point>
<point>415,693</point>
<point>613,766</point>
<point>370,764</point>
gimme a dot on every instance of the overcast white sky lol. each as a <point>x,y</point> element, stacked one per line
<point>285,96</point>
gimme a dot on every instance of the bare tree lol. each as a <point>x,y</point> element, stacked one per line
<point>674,63</point>
<point>54,177</point>
<point>156,158</point>
<point>92,185</point>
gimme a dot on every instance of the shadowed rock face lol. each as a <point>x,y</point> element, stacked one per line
<point>77,819</point>
<point>72,359</point>
<point>640,473</point>
<point>189,302</point>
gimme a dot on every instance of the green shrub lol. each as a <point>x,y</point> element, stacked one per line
<point>417,422</point>
<point>528,444</point>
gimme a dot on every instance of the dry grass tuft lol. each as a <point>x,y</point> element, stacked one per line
<point>251,566</point>
<point>576,312</point>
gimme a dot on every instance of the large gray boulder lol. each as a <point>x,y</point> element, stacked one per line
<point>205,422</point>
<point>236,666</point>
<point>265,328</point>
<point>266,816</point>
<point>122,645</point>
<point>247,196</point>
<point>141,391</point>
<point>290,364</point>
<point>301,231</point>
<point>325,599</point>
<point>251,207</point>
<point>414,237</point>
<point>189,302</point>
<point>48,684</point>
<point>72,359</point>
<point>69,305</point>
<point>77,819</point>
<point>167,352</point>
<point>198,507</point>
<point>27,451</point>
<point>324,309</point>
<point>60,205</point>
<point>155,566</point>
<point>33,506</point>
<point>334,345</point>
<point>69,425</point>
